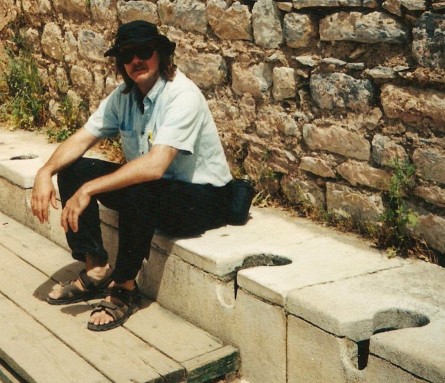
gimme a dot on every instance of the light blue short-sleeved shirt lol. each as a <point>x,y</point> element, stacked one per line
<point>175,114</point>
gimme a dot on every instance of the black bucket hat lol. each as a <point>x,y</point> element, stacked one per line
<point>137,32</point>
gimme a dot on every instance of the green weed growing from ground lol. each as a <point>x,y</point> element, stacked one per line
<point>398,219</point>
<point>71,120</point>
<point>393,232</point>
<point>26,104</point>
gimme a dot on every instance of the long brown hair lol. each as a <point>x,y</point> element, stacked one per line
<point>167,69</point>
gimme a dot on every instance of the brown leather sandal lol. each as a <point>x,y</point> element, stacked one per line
<point>129,303</point>
<point>92,289</point>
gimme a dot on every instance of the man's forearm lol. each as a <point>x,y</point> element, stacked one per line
<point>69,151</point>
<point>143,169</point>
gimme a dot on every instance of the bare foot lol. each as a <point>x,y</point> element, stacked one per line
<point>101,317</point>
<point>97,273</point>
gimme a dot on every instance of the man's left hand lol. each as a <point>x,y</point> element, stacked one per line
<point>73,209</point>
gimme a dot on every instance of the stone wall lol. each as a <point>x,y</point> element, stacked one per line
<point>315,100</point>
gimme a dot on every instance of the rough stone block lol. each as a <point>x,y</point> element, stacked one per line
<point>337,140</point>
<point>414,106</point>
<point>259,331</point>
<point>399,311</point>
<point>374,27</point>
<point>315,355</point>
<point>13,200</point>
<point>427,49</point>
<point>188,291</point>
<point>209,302</point>
<point>381,371</point>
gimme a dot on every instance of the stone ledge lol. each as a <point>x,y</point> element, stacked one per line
<point>328,284</point>
<point>396,313</point>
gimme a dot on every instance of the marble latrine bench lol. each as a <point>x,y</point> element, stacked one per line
<point>301,302</point>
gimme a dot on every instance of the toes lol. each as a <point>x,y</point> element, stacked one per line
<point>101,318</point>
<point>93,318</point>
<point>54,295</point>
<point>105,320</point>
<point>57,287</point>
<point>56,292</point>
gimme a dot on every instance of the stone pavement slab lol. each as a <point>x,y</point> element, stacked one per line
<point>324,258</point>
<point>351,307</point>
<point>223,251</point>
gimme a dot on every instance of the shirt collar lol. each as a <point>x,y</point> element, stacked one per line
<point>153,93</point>
<point>156,90</point>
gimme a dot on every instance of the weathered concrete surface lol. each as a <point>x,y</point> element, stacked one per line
<point>21,144</point>
<point>408,299</point>
<point>315,260</point>
<point>317,356</point>
<point>413,287</point>
<point>417,350</point>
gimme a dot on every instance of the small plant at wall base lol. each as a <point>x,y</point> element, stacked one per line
<point>398,218</point>
<point>71,120</point>
<point>27,104</point>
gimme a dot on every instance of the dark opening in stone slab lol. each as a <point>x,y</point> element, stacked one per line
<point>389,320</point>
<point>24,157</point>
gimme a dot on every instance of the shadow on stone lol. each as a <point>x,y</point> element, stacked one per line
<point>67,273</point>
<point>76,309</point>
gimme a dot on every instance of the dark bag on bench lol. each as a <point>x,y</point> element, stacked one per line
<point>242,192</point>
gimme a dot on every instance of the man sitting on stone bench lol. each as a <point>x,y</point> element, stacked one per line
<point>176,177</point>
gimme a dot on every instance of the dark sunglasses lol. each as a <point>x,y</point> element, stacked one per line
<point>144,53</point>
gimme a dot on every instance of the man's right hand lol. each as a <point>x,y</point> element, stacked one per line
<point>43,193</point>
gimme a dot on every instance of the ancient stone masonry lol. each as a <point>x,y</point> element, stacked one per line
<point>318,101</point>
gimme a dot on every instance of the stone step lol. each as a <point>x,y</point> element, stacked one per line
<point>39,340</point>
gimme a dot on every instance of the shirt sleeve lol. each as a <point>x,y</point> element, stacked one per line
<point>104,122</point>
<point>181,122</point>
